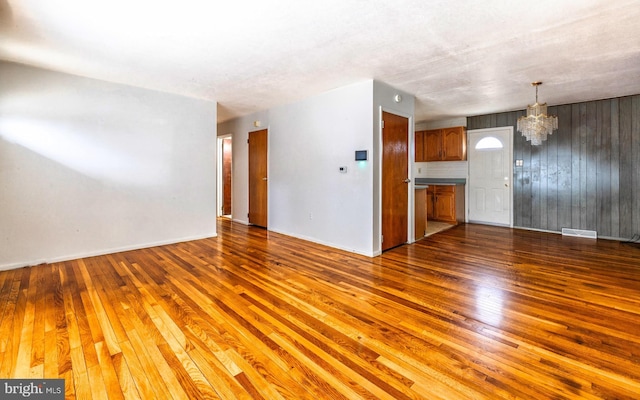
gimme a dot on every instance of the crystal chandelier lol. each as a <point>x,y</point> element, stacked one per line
<point>537,124</point>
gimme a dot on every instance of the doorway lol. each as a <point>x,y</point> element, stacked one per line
<point>258,178</point>
<point>225,167</point>
<point>395,180</point>
<point>490,176</point>
<point>226,176</point>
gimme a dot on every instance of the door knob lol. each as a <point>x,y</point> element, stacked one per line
<point>264,179</point>
<point>407,180</point>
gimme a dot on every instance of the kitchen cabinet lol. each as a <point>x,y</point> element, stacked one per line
<point>445,203</point>
<point>447,144</point>
<point>420,214</point>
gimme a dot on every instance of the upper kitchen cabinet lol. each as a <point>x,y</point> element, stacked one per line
<point>448,144</point>
<point>420,156</point>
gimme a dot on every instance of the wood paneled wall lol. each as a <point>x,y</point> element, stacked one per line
<point>586,175</point>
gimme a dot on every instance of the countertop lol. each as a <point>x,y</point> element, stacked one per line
<point>439,181</point>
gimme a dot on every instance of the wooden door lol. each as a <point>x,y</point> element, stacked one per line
<point>432,145</point>
<point>226,176</point>
<point>258,183</point>
<point>395,180</point>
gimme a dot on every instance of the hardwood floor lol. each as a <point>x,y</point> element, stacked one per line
<point>469,313</point>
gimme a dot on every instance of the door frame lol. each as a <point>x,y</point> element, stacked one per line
<point>511,168</point>
<point>219,177</point>
<point>411,195</point>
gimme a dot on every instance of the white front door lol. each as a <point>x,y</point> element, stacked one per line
<point>490,154</point>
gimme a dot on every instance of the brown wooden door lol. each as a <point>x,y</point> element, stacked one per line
<point>395,174</point>
<point>258,183</point>
<point>226,177</point>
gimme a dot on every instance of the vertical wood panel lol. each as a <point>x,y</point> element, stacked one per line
<point>527,194</point>
<point>501,119</point>
<point>564,167</point>
<point>635,144</point>
<point>536,204</point>
<point>615,168</point>
<point>626,173</point>
<point>592,164</point>
<point>583,166</point>
<point>550,170</point>
<point>603,143</point>
<point>575,166</point>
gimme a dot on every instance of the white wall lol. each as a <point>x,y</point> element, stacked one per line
<point>89,167</point>
<point>308,142</point>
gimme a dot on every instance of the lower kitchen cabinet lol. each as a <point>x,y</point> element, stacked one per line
<point>445,203</point>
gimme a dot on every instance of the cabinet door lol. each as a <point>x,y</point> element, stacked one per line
<point>419,146</point>
<point>445,207</point>
<point>432,145</point>
<point>420,216</point>
<point>454,144</point>
<point>430,202</point>
<point>445,204</point>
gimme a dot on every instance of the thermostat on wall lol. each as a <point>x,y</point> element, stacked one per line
<point>361,155</point>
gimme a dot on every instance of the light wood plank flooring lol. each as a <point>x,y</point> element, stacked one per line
<point>469,313</point>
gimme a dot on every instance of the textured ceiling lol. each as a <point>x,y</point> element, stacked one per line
<point>459,58</point>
